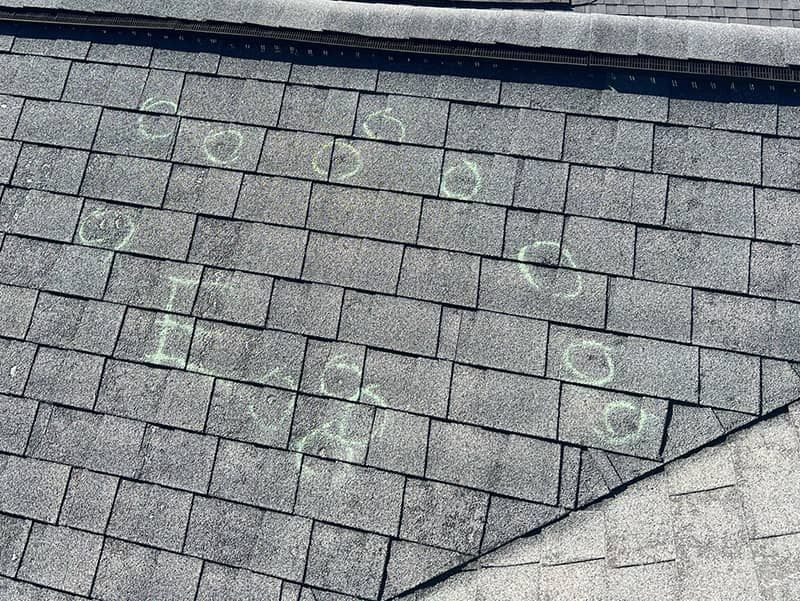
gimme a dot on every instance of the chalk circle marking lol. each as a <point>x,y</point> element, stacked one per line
<point>472,170</point>
<point>384,115</point>
<point>150,105</point>
<point>324,151</point>
<point>217,137</point>
<point>609,432</point>
<point>98,217</point>
<point>522,257</point>
<point>583,376</point>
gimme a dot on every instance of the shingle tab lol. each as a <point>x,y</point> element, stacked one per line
<point>65,377</point>
<point>484,178</point>
<point>39,214</point>
<point>153,284</point>
<point>58,123</point>
<point>541,185</point>
<point>221,582</point>
<point>741,116</point>
<point>89,499</point>
<point>126,179</point>
<point>537,229</point>
<point>180,60</point>
<point>608,142</point>
<point>712,207</point>
<point>465,226</point>
<point>107,85</point>
<point>16,420</point>
<point>136,133</point>
<point>596,245</point>
<point>730,381</point>
<point>649,309</point>
<point>399,442</point>
<point>176,458</point>
<point>228,99</point>
<point>35,76</point>
<point>389,322</point>
<point>401,119</point>
<point>440,275</point>
<point>10,109</point>
<point>16,309</point>
<point>331,428</point>
<point>254,68</point>
<point>233,296</point>
<point>123,54</point>
<point>311,309</point>
<point>509,131</point>
<point>218,144</point>
<point>14,535</point>
<point>32,488</point>
<point>47,168</point>
<point>774,271</point>
<point>278,200</point>
<point>777,217</point>
<point>9,151</point>
<point>334,76</point>
<point>692,259</point>
<point>298,154</point>
<point>323,110</point>
<point>468,89</point>
<point>695,152</point>
<point>15,362</point>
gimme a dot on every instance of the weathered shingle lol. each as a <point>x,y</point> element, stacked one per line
<point>65,377</point>
<point>218,144</point>
<point>126,179</point>
<point>439,275</point>
<point>47,168</point>
<point>323,110</point>
<point>228,99</point>
<point>39,214</point>
<point>277,200</point>
<point>58,123</point>
<point>107,85</point>
<point>608,143</point>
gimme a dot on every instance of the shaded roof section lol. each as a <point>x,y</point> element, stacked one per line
<point>325,311</point>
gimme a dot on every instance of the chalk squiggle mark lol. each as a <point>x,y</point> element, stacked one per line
<point>611,434</point>
<point>386,116</point>
<point>343,362</point>
<point>150,105</point>
<point>168,325</point>
<point>533,281</point>
<point>322,153</point>
<point>472,171</point>
<point>583,376</point>
<point>102,231</point>
<point>214,146</point>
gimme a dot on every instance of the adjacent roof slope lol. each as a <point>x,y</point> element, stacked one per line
<point>274,321</point>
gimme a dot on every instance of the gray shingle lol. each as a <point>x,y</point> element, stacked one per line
<point>108,85</point>
<point>333,369</point>
<point>440,275</point>
<point>82,325</point>
<point>612,421</point>
<point>8,158</point>
<point>381,165</point>
<point>54,266</point>
<point>39,77</point>
<point>260,356</point>
<point>65,377</point>
<point>468,89</point>
<point>129,571</point>
<point>411,564</point>
<point>296,154</point>
<point>692,151</point>
<point>254,68</point>
<point>15,363</point>
<point>777,217</point>
<point>203,190</point>
<point>628,363</point>
<point>605,246</point>
<point>323,110</point>
<point>126,179</point>
<point>399,442</point>
<point>274,200</point>
<point>39,214</point>
<point>47,168</point>
<point>485,178</point>
<point>256,476</point>
<point>544,292</point>
<point>262,541</point>
<point>392,323</point>
<point>774,271</point>
<point>350,495</point>
<point>251,413</point>
<point>16,419</point>
<point>649,309</point>
<point>443,515</point>
<point>32,488</point>
<point>136,133</point>
<point>311,309</point>
<point>750,325</point>
<point>88,502</point>
<point>505,130</point>
<point>511,465</point>
<point>608,143</point>
<point>55,46</point>
<point>153,232</point>
<point>177,459</point>
<point>13,536</point>
<point>255,247</point>
<point>154,337</point>
<point>149,514</point>
<point>712,207</point>
<point>541,185</point>
<point>464,226</point>
<point>536,230</point>
<point>357,212</point>
<point>162,91</point>
<point>218,144</point>
<point>353,262</point>
<point>16,309</point>
<point>153,284</point>
<point>499,341</point>
<point>165,396</point>
<point>407,383</point>
<point>347,561</point>
<point>61,558</point>
<point>401,119</point>
<point>755,118</point>
<point>730,381</point>
<point>331,428</point>
<point>220,583</point>
<point>233,296</point>
<point>692,259</point>
<point>504,401</point>
<point>83,439</point>
<point>10,108</point>
<point>58,123</point>
<point>334,76</point>
<point>228,99</point>
<point>123,54</point>
<point>179,60</point>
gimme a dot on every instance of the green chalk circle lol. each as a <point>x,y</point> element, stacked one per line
<point>533,281</point>
<point>383,119</point>
<point>616,435</point>
<point>462,181</point>
<point>343,365</point>
<point>222,146</point>
<point>150,105</point>
<point>109,228</point>
<point>589,346</point>
<point>354,154</point>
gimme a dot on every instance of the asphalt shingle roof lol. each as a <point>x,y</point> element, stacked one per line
<point>277,324</point>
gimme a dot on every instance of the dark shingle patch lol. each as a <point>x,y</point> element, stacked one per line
<point>88,501</point>
<point>153,284</point>
<point>484,178</point>
<point>136,134</point>
<point>401,119</point>
<point>33,76</point>
<point>106,85</point>
<point>322,110</point>
<point>203,190</point>
<point>40,214</point>
<point>774,271</point>
<point>228,99</point>
<point>311,309</point>
<point>176,459</point>
<point>233,296</point>
<point>65,377</point>
<point>46,168</point>
<point>277,200</point>
<point>218,144</point>
<point>126,179</point>
<point>16,420</point>
<point>165,396</point>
